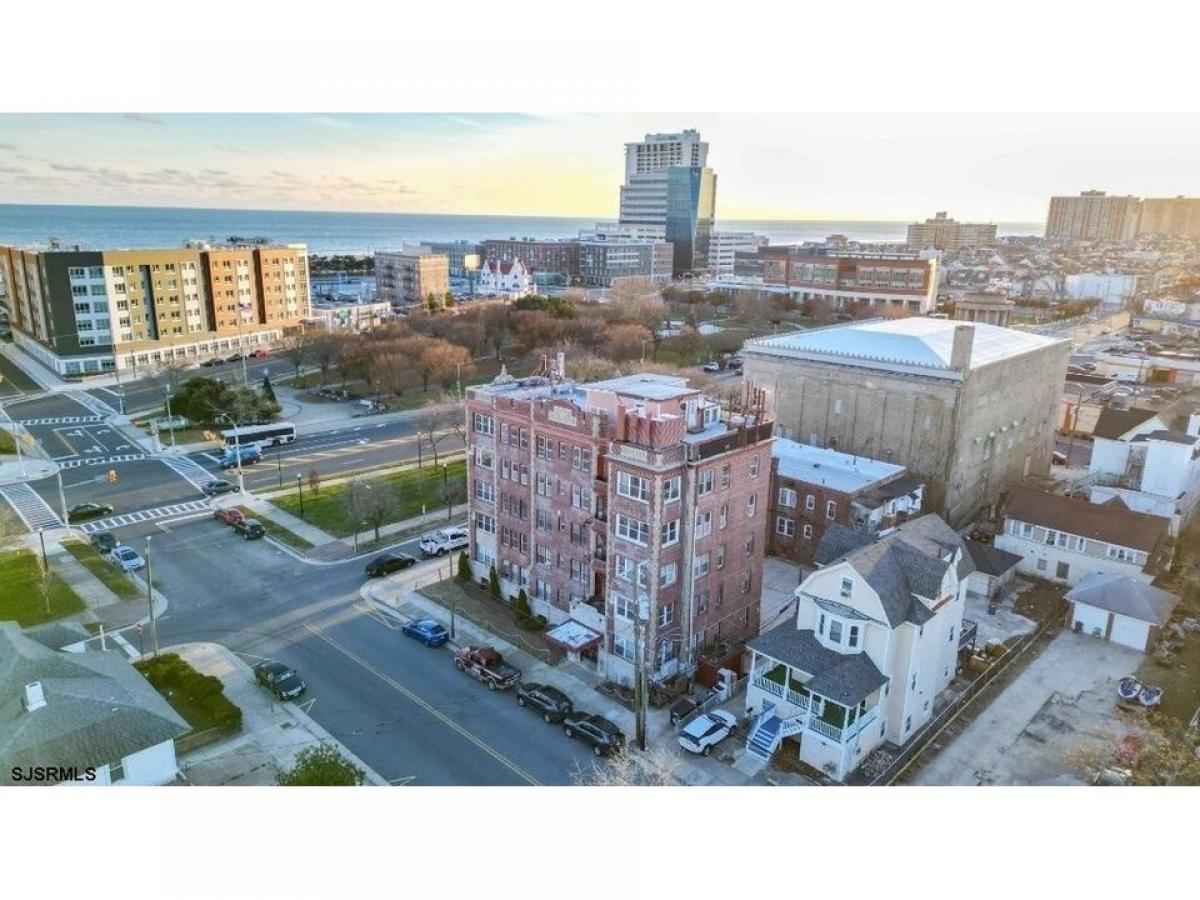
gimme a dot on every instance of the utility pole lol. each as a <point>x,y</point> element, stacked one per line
<point>300,492</point>
<point>42,538</point>
<point>62,499</point>
<point>170,418</point>
<point>643,612</point>
<point>16,440</point>
<point>279,464</point>
<point>150,599</point>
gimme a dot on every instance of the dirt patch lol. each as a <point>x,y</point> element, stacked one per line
<point>1041,602</point>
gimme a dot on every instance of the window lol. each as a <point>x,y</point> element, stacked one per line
<point>703,524</point>
<point>1051,534</point>
<point>581,458</point>
<point>853,642</point>
<point>1041,565</point>
<point>785,526</point>
<point>483,456</point>
<point>746,582</point>
<point>724,476</point>
<point>704,484</point>
<point>545,522</point>
<point>544,448</point>
<point>670,533</point>
<point>847,587</point>
<point>810,502</point>
<point>579,499</point>
<point>751,506</point>
<point>835,631</point>
<point>808,532</point>
<point>668,573</point>
<point>1026,529</point>
<point>720,557</point>
<point>754,467</point>
<point>542,555</point>
<point>625,568</point>
<point>484,424</point>
<point>633,486</point>
<point>1062,570</point>
<point>671,489</point>
<point>485,523</point>
<point>635,530</point>
<point>951,641</point>
<point>821,625</point>
<point>724,517</point>
<point>542,484</point>
<point>700,566</point>
<point>787,498</point>
<point>912,685</point>
<point>485,491</point>
<point>750,545</point>
<point>1120,554</point>
<point>830,509</point>
<point>623,647</point>
<point>623,608</point>
<point>666,615</point>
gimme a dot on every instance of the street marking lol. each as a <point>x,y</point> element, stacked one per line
<point>144,515</point>
<point>189,470</point>
<point>63,420</point>
<point>29,506</point>
<point>307,705</point>
<point>74,463</point>
<point>95,404</point>
<point>402,780</point>
<point>429,708</point>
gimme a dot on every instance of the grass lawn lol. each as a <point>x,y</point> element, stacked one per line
<point>414,488</point>
<point>277,531</point>
<point>486,611</point>
<point>114,579</point>
<point>21,597</point>
<point>198,698</point>
<point>6,442</point>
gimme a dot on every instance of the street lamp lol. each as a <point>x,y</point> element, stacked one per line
<point>170,418</point>
<point>237,445</point>
<point>300,493</point>
<point>16,440</point>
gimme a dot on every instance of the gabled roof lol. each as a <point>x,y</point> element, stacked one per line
<point>1111,521</point>
<point>844,678</point>
<point>1125,596</point>
<point>989,559</point>
<point>99,709</point>
<point>837,541</point>
<point>1114,424</point>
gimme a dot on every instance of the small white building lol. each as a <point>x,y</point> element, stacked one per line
<point>92,716</point>
<point>875,640</point>
<point>505,278</point>
<point>1120,609</point>
<point>1064,539</point>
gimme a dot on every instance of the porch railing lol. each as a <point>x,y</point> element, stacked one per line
<point>771,687</point>
<point>824,728</point>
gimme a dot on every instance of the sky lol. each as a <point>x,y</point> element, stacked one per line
<point>891,166</point>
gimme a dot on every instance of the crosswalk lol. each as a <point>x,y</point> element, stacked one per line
<point>189,470</point>
<point>303,458</point>
<point>64,420</point>
<point>29,506</point>
<point>144,515</point>
<point>75,462</point>
<point>95,404</point>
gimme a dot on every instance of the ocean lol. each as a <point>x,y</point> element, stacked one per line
<point>114,227</point>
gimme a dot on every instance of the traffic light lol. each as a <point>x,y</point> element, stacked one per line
<point>112,476</point>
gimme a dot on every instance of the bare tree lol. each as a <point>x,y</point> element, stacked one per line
<point>371,502</point>
<point>45,585</point>
<point>496,322</point>
<point>438,422</point>
<point>296,348</point>
<point>327,347</point>
<point>314,481</point>
<point>628,767</point>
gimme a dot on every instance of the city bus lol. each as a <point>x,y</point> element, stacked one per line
<point>260,435</point>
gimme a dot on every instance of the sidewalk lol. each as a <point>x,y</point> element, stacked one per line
<point>272,733</point>
<point>35,370</point>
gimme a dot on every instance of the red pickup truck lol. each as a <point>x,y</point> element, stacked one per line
<point>487,665</point>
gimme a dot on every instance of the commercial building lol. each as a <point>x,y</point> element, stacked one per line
<point>558,259</point>
<point>632,511</point>
<point>411,275</point>
<point>813,488</point>
<point>604,257</point>
<point>462,257</point>
<point>895,282</point>
<point>88,311</point>
<point>991,309</point>
<point>723,247</point>
<point>1170,217</point>
<point>350,315</point>
<point>1093,216</point>
<point>943,233</point>
<point>671,193</point>
<point>874,642</point>
<point>505,279</point>
<point>967,408</point>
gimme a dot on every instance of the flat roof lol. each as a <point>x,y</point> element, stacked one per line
<point>831,468</point>
<point>647,385</point>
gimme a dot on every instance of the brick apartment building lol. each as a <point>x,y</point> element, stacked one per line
<point>636,498</point>
<point>541,257</point>
<point>813,488</point>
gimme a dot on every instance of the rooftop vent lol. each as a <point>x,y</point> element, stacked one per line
<point>35,697</point>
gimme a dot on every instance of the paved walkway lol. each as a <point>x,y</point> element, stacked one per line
<point>272,733</point>
<point>34,369</point>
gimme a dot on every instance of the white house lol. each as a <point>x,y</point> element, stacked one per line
<point>90,715</point>
<point>505,278</point>
<point>874,641</point>
<point>1120,609</point>
<point>1063,539</point>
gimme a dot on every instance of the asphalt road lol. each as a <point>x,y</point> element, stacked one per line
<point>399,705</point>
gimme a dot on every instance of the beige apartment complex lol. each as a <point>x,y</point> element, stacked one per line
<point>411,274</point>
<point>943,233</point>
<point>1170,217</point>
<point>83,312</point>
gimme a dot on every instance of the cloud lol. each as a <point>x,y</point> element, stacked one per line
<point>11,170</point>
<point>8,146</point>
<point>145,119</point>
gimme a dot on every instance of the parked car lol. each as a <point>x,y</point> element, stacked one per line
<point>386,563</point>
<point>104,541</point>
<point>603,736</point>
<point>712,367</point>
<point>250,529</point>
<point>427,631</point>
<point>126,558</point>
<point>249,454</point>
<point>81,512</point>
<point>280,680</point>
<point>1058,458</point>
<point>234,357</point>
<point>443,541</point>
<point>706,731</point>
<point>552,703</point>
<point>261,353</point>
<point>487,665</point>
<point>209,363</point>
<point>229,516</point>
<point>218,486</point>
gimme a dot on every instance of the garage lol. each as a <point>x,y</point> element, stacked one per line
<point>1119,609</point>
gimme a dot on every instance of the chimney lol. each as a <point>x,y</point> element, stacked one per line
<point>960,350</point>
<point>35,698</point>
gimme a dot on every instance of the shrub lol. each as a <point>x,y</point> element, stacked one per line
<point>521,605</point>
<point>494,582</point>
<point>464,567</point>
<point>532,623</point>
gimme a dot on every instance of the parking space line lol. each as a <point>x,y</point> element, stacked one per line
<point>428,707</point>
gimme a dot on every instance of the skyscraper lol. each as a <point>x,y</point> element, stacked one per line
<point>1093,216</point>
<point>669,192</point>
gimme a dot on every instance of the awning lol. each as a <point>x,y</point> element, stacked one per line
<point>573,636</point>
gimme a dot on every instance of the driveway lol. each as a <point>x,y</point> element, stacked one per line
<point>1020,739</point>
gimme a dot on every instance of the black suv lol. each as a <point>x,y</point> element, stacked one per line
<point>281,680</point>
<point>603,735</point>
<point>552,703</point>
<point>250,529</point>
<point>386,563</point>
<point>104,541</point>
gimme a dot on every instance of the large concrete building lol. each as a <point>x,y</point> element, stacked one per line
<point>1093,216</point>
<point>627,501</point>
<point>462,257</point>
<point>604,257</point>
<point>723,247</point>
<point>1170,217</point>
<point>411,275</point>
<point>82,312</point>
<point>944,233</point>
<point>967,408</point>
<point>546,259</point>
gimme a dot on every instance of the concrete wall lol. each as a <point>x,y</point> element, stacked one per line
<point>154,765</point>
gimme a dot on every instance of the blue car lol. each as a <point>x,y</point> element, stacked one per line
<point>427,631</point>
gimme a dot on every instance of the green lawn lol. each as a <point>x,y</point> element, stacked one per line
<point>277,531</point>
<point>21,598</point>
<point>6,442</point>
<point>114,579</point>
<point>413,487</point>
<point>198,698</point>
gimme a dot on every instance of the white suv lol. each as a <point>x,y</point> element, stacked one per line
<point>443,541</point>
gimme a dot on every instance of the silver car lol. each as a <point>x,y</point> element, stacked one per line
<point>126,558</point>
